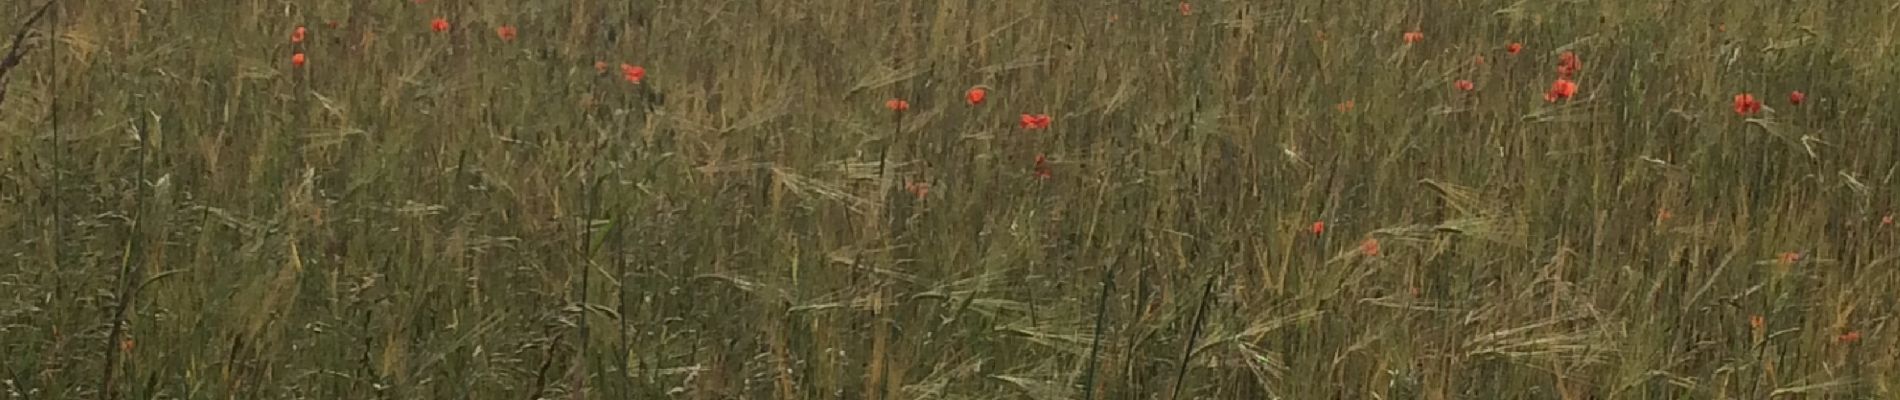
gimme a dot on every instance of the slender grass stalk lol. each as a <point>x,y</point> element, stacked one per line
<point>1187,351</point>
<point>130,265</point>
<point>1101,320</point>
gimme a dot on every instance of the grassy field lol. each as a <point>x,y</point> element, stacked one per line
<point>1299,199</point>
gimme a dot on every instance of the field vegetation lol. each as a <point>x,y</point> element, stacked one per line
<point>950,199</point>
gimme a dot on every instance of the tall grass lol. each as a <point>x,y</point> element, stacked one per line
<point>415,214</point>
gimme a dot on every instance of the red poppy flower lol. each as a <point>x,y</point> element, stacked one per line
<point>897,105</point>
<point>1043,170</point>
<point>917,188</point>
<point>439,25</point>
<point>1568,64</point>
<point>1514,48</point>
<point>1479,60</point>
<point>1370,247</point>
<point>296,36</point>
<point>1796,97</point>
<point>1850,337</point>
<point>1757,322</point>
<point>1746,104</point>
<point>1187,9</point>
<point>1663,215</point>
<point>1560,90</point>
<point>1414,37</point>
<point>297,60</point>
<point>1346,106</point>
<point>1466,85</point>
<point>1788,258</point>
<point>1887,220</point>
<point>1035,121</point>
<point>600,67</point>
<point>975,96</point>
<point>506,32</point>
<point>633,73</point>
<point>1319,227</point>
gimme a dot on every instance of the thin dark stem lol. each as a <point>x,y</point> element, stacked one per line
<point>620,261</point>
<point>591,192</point>
<point>1095,345</point>
<point>128,270</point>
<point>882,190</point>
<point>1187,352</point>
<point>59,219</point>
<point>897,131</point>
<point>13,54</point>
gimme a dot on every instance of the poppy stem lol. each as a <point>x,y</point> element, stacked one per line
<point>884,157</point>
<point>1187,352</point>
<point>129,269</point>
<point>1095,344</point>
